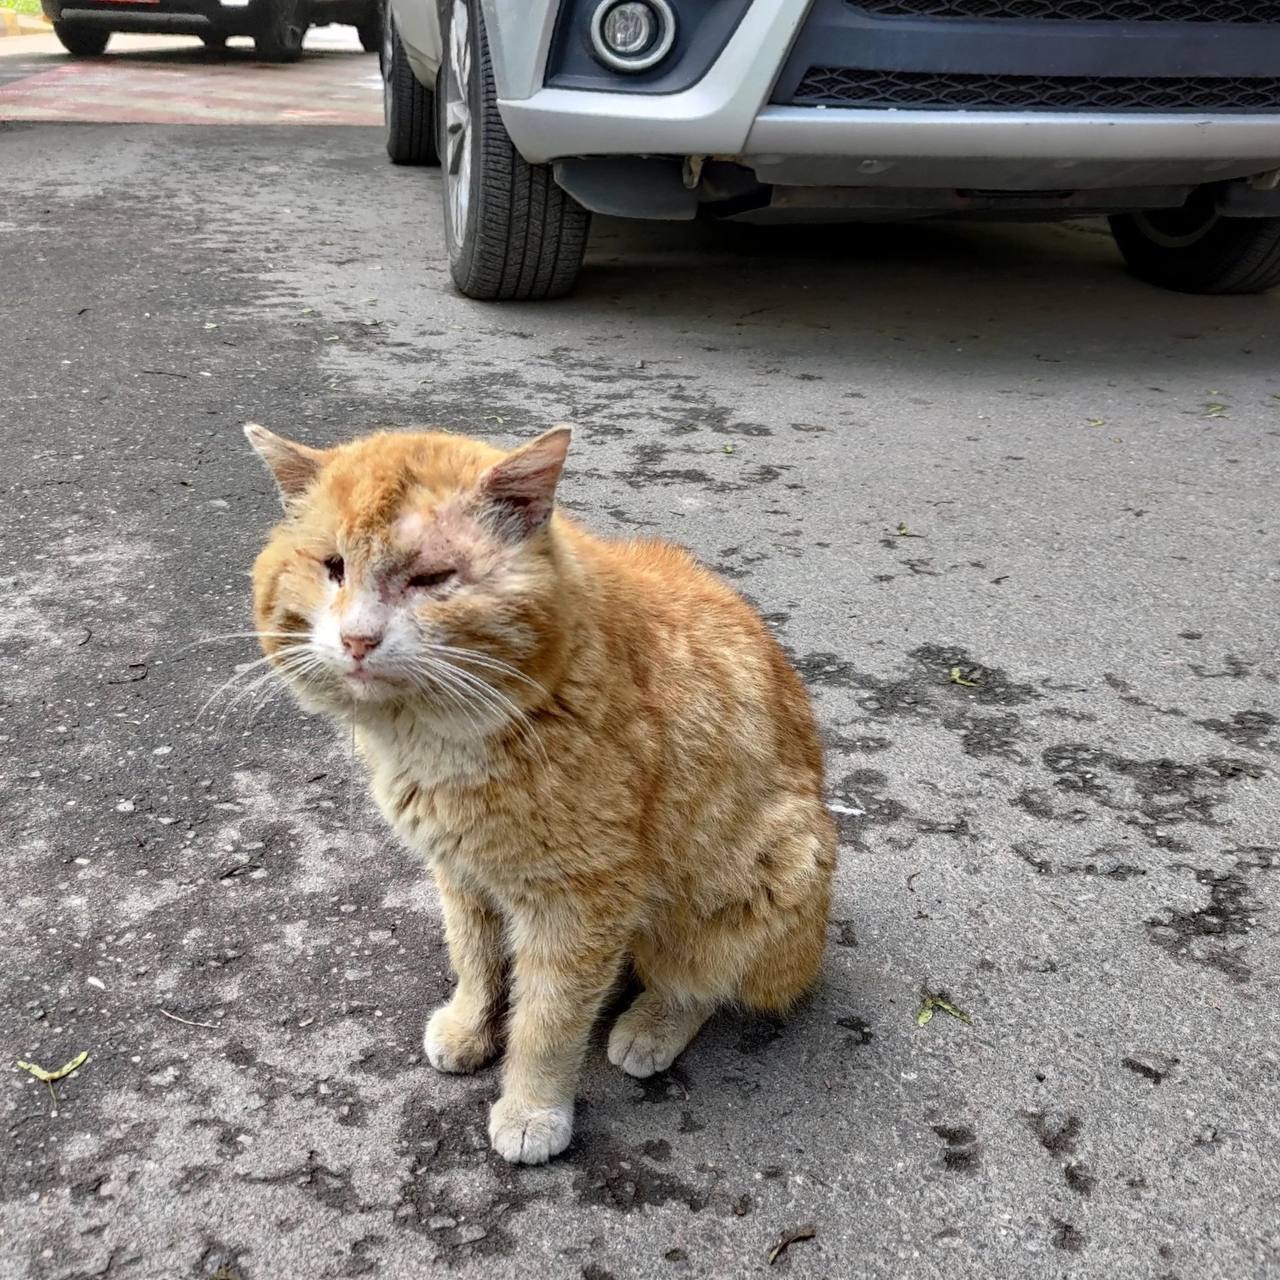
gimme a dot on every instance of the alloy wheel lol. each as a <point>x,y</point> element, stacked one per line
<point>457,122</point>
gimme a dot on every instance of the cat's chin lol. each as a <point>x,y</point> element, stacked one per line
<point>336,698</point>
<point>371,691</point>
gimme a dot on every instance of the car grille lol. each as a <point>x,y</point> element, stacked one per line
<point>1224,11</point>
<point>850,87</point>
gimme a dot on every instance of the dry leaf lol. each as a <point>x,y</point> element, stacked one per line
<point>788,1238</point>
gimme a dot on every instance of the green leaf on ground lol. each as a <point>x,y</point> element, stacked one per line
<point>932,1002</point>
<point>47,1076</point>
<point>1096,422</point>
<point>903,532</point>
<point>956,677</point>
<point>728,448</point>
<point>1215,411</point>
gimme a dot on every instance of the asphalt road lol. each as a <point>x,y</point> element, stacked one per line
<point>972,449</point>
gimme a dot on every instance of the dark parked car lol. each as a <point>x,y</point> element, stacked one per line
<point>277,26</point>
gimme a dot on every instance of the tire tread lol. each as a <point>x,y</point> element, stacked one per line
<point>1237,256</point>
<point>411,127</point>
<point>81,40</point>
<point>528,236</point>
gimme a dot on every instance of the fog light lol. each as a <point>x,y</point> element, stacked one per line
<point>628,29</point>
<point>632,35</point>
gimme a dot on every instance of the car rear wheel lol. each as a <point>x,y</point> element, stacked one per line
<point>512,233</point>
<point>84,42</point>
<point>281,30</point>
<point>408,110</point>
<point>1195,250</point>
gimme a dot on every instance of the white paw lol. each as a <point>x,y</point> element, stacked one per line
<point>523,1134</point>
<point>641,1048</point>
<point>452,1046</point>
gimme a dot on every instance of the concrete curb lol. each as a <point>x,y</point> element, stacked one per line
<point>23,24</point>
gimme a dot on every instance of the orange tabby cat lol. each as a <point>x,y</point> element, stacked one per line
<point>599,749</point>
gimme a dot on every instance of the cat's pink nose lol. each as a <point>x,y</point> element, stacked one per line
<point>360,644</point>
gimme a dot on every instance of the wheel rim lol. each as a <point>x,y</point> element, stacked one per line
<point>457,122</point>
<point>292,32</point>
<point>1178,228</point>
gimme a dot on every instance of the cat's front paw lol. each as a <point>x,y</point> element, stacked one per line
<point>523,1134</point>
<point>455,1044</point>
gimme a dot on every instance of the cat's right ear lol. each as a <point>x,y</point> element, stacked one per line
<point>294,465</point>
<point>523,485</point>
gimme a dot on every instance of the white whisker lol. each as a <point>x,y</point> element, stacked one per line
<point>443,677</point>
<point>431,681</point>
<point>351,777</point>
<point>488,662</point>
<point>261,704</point>
<point>497,701</point>
<point>283,659</point>
<point>239,635</point>
<point>300,666</point>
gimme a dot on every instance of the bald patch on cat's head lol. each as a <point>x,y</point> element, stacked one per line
<point>376,483</point>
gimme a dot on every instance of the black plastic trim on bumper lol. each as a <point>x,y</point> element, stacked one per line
<point>196,17</point>
<point>703,28</point>
<point>838,36</point>
<point>1245,12</point>
<point>178,16</point>
<point>931,91</point>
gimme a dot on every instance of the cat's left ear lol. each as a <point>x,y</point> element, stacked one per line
<point>295,466</point>
<point>523,484</point>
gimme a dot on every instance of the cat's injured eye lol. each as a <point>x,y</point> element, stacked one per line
<point>425,581</point>
<point>336,568</point>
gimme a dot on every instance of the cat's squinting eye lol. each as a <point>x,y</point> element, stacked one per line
<point>335,568</point>
<point>425,581</point>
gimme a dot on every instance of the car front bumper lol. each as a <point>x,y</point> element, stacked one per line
<point>192,17</point>
<point>728,114</point>
<point>180,17</point>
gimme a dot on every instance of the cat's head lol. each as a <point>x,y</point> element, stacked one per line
<point>410,568</point>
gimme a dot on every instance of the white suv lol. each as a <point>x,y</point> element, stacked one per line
<point>1163,114</point>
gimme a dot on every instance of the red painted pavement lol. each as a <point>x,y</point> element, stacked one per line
<point>323,88</point>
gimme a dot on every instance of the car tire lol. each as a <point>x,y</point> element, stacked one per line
<point>511,232</point>
<point>408,110</point>
<point>1195,250</point>
<point>370,33</point>
<point>82,41</point>
<point>282,27</point>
